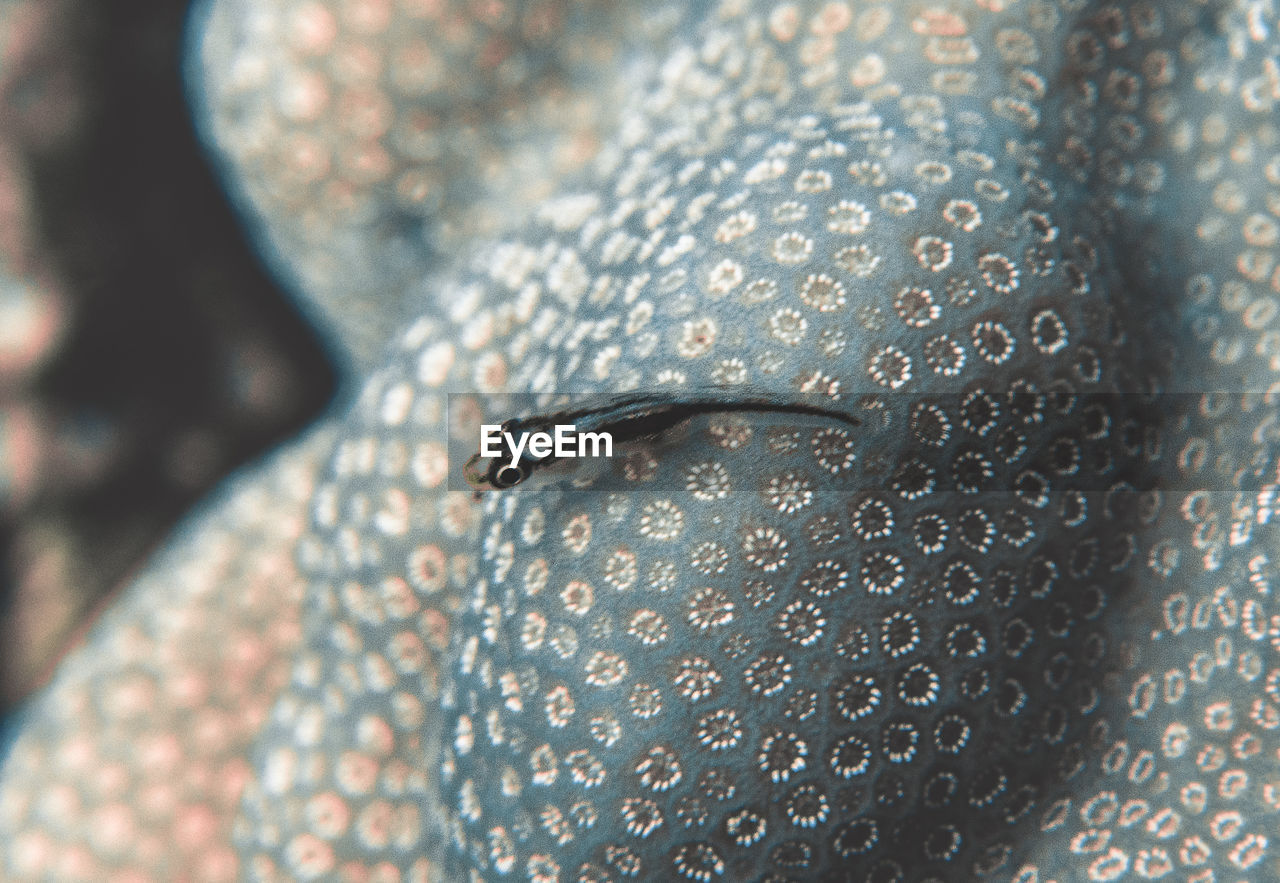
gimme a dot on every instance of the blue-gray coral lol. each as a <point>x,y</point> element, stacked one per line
<point>1017,625</point>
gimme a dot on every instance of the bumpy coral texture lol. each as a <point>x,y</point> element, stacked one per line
<point>1018,624</point>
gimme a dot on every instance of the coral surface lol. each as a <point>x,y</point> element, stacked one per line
<point>1015,624</point>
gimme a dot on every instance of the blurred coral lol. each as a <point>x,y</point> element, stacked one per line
<point>117,256</point>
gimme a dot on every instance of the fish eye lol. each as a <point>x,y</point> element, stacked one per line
<point>508,476</point>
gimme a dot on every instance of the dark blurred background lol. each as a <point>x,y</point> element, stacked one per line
<point>144,353</point>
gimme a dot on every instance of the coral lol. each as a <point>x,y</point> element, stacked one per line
<point>118,254</point>
<point>1016,625</point>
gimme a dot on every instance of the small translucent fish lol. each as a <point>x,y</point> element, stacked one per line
<point>625,420</point>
